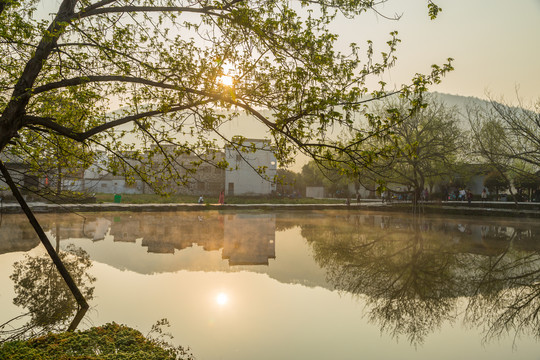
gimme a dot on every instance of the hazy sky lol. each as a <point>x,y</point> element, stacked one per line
<point>495,44</point>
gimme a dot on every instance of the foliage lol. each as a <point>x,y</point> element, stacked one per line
<point>526,181</point>
<point>40,290</point>
<point>289,183</point>
<point>110,341</point>
<point>495,182</point>
<point>507,138</point>
<point>489,136</point>
<point>160,65</point>
<point>521,128</point>
<point>312,174</point>
<point>317,174</point>
<point>421,148</point>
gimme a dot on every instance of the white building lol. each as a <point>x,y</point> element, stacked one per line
<point>97,179</point>
<point>208,180</point>
<point>242,177</point>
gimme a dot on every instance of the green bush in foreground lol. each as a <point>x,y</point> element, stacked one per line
<point>111,341</point>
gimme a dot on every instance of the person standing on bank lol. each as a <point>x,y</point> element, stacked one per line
<point>221,197</point>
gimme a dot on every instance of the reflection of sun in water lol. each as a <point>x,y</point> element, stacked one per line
<point>226,80</point>
<point>222,299</point>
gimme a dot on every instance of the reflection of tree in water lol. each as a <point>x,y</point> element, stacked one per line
<point>402,274</point>
<point>40,289</point>
<point>413,272</point>
<point>508,294</point>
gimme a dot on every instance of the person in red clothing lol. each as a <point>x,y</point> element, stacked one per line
<point>221,197</point>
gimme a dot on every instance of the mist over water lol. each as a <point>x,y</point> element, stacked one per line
<point>298,284</point>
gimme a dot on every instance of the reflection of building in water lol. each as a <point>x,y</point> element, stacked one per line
<point>249,239</point>
<point>126,228</point>
<point>245,238</point>
<point>486,237</point>
<point>66,228</point>
<point>88,227</point>
<point>98,228</point>
<point>166,232</point>
<point>16,236</point>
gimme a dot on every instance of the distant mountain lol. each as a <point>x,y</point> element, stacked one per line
<point>459,101</point>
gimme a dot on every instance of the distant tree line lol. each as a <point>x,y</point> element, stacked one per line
<point>437,149</point>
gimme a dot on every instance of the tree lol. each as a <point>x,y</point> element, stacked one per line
<point>522,128</point>
<point>507,138</point>
<point>524,181</point>
<point>289,182</point>
<point>169,69</point>
<point>170,61</point>
<point>421,149</point>
<point>496,182</point>
<point>315,173</point>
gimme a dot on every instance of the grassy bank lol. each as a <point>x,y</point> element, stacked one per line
<point>191,199</point>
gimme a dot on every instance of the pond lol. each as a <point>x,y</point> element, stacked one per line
<point>286,285</point>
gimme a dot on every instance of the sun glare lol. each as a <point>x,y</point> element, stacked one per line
<point>222,299</point>
<point>226,80</point>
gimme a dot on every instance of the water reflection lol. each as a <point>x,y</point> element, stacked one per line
<point>413,274</point>
<point>42,292</point>
<point>249,239</point>
<point>222,299</point>
<point>416,271</point>
<point>245,239</point>
<point>16,235</point>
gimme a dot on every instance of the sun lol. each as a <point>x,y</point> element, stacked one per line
<point>226,80</point>
<point>222,299</point>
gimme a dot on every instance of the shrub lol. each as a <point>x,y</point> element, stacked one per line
<point>110,342</point>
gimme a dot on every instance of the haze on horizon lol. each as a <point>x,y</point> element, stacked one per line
<point>494,44</point>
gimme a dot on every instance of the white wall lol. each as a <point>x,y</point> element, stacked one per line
<point>242,174</point>
<point>108,186</point>
<point>314,191</point>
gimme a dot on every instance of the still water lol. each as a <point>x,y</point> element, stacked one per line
<point>287,285</point>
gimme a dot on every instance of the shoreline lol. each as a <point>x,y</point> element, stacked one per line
<point>524,210</point>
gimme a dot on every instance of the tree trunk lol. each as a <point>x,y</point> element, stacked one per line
<point>11,119</point>
<point>44,240</point>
